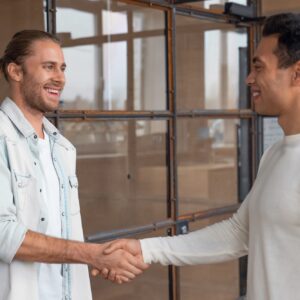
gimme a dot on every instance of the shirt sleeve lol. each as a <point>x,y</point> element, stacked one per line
<point>219,242</point>
<point>12,232</point>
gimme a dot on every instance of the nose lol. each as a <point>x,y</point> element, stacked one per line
<point>250,79</point>
<point>59,76</point>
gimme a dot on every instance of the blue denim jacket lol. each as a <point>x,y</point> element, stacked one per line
<point>22,207</point>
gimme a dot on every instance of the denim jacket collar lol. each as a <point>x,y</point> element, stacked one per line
<point>17,117</point>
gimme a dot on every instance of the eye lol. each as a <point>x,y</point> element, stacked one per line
<point>63,68</point>
<point>49,67</point>
<point>257,67</point>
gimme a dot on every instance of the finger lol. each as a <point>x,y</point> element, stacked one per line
<point>126,273</point>
<point>136,265</point>
<point>95,272</point>
<point>112,275</point>
<point>121,279</point>
<point>140,264</point>
<point>119,244</point>
<point>105,273</point>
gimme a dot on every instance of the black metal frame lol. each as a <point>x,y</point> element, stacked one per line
<point>250,132</point>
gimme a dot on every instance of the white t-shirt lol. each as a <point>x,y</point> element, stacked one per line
<point>50,278</point>
<point>266,226</point>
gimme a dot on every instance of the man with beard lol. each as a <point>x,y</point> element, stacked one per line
<point>267,225</point>
<point>42,256</point>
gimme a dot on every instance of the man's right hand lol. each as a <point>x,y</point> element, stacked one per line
<point>131,247</point>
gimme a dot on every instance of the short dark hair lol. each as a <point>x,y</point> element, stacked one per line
<point>287,27</point>
<point>20,46</point>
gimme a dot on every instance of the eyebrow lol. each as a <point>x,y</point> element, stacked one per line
<point>54,63</point>
<point>256,59</point>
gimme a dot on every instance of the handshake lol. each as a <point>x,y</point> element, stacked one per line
<point>120,261</point>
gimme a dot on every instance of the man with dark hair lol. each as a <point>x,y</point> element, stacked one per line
<point>267,225</point>
<point>42,256</point>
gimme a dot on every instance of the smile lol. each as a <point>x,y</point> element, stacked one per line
<point>53,91</point>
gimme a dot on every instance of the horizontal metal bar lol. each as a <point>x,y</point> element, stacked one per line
<point>214,113</point>
<point>93,115</point>
<point>200,215</point>
<point>207,14</point>
<point>164,224</point>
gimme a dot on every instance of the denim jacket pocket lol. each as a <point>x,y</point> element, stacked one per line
<point>23,182</point>
<point>74,201</point>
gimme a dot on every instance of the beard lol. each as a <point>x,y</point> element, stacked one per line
<point>35,95</point>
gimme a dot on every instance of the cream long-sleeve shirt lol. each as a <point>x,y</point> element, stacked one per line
<point>266,227</point>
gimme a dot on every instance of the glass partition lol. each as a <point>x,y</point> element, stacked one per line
<point>121,167</point>
<point>207,163</point>
<point>217,5</point>
<point>207,64</point>
<point>115,54</point>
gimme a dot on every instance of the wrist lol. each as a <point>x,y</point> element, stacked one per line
<point>84,253</point>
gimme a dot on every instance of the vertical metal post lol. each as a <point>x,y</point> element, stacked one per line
<point>51,28</point>
<point>172,201</point>
<point>251,139</point>
<point>99,59</point>
<point>257,121</point>
<point>244,154</point>
<point>51,16</point>
<point>132,140</point>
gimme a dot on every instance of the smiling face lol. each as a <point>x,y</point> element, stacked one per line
<point>271,87</point>
<point>43,77</point>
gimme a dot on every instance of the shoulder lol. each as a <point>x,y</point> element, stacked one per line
<point>7,129</point>
<point>269,152</point>
<point>61,140</point>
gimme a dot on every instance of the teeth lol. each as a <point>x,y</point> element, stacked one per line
<point>52,91</point>
<point>255,94</point>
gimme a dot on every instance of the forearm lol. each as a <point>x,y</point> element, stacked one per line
<point>41,248</point>
<point>37,247</point>
<point>216,243</point>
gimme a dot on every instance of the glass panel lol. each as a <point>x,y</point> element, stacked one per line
<point>80,91</point>
<point>152,284</point>
<point>74,23</point>
<point>114,22</point>
<point>116,60</point>
<point>213,281</point>
<point>121,167</point>
<point>207,163</point>
<point>148,19</point>
<point>115,75</point>
<point>215,4</point>
<point>207,57</point>
<point>149,75</point>
<point>270,7</point>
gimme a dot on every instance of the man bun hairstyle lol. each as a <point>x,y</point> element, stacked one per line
<point>20,46</point>
<point>287,27</point>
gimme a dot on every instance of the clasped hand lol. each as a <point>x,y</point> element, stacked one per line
<point>122,261</point>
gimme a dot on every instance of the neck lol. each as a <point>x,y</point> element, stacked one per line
<point>33,116</point>
<point>290,121</point>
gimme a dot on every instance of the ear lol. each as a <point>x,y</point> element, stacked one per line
<point>296,74</point>
<point>15,72</point>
